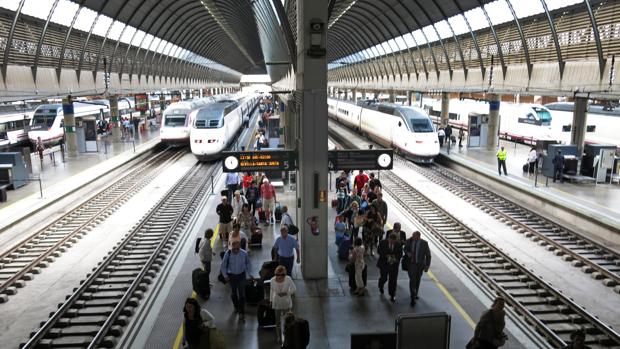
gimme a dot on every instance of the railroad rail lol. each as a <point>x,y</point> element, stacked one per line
<point>553,315</point>
<point>21,262</point>
<point>95,314</point>
<point>592,257</point>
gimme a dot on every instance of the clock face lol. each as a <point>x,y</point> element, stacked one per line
<point>231,162</point>
<point>384,160</point>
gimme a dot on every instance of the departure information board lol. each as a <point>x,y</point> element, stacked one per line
<point>366,159</point>
<point>267,160</point>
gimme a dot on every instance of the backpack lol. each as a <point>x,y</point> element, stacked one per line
<point>251,194</point>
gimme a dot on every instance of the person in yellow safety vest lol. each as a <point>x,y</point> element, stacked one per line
<point>501,161</point>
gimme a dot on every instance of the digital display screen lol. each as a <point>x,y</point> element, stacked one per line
<point>272,160</point>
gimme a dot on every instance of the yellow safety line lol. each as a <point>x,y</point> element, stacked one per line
<point>449,296</point>
<point>179,339</point>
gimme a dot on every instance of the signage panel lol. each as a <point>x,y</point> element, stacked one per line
<point>366,159</point>
<point>142,102</point>
<point>268,160</point>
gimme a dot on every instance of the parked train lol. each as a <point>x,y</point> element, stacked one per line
<point>523,122</point>
<point>409,130</point>
<point>215,126</point>
<point>47,121</point>
<point>13,129</point>
<point>176,121</point>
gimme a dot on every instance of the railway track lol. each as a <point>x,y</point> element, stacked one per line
<point>95,314</point>
<point>593,258</point>
<point>553,315</point>
<point>21,262</point>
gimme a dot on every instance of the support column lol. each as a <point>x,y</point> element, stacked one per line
<point>445,109</point>
<point>311,82</point>
<point>162,106</point>
<point>346,95</point>
<point>364,94</point>
<point>409,97</point>
<point>578,129</point>
<point>355,96</point>
<point>493,125</point>
<point>114,115</point>
<point>392,95</point>
<point>69,124</point>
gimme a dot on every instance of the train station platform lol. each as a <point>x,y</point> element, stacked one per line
<point>333,312</point>
<point>599,203</point>
<point>59,177</point>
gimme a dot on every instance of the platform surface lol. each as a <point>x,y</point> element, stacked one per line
<point>332,311</point>
<point>601,198</point>
<point>58,177</point>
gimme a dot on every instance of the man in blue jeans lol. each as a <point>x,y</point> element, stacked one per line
<point>234,267</point>
<point>284,248</point>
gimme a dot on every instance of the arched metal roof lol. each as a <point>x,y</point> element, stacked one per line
<point>222,30</point>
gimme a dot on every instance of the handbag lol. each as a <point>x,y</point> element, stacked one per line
<point>292,229</point>
<point>405,262</point>
<point>350,267</point>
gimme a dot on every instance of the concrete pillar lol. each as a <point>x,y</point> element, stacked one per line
<point>445,109</point>
<point>409,97</point>
<point>346,95</point>
<point>355,96</point>
<point>364,94</point>
<point>578,129</point>
<point>392,95</point>
<point>114,116</point>
<point>69,124</point>
<point>493,125</point>
<point>312,186</point>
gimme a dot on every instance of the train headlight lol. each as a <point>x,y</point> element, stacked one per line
<point>197,140</point>
<point>212,141</point>
<point>419,142</point>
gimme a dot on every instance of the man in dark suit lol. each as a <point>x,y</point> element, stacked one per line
<point>390,251</point>
<point>402,236</point>
<point>419,256</point>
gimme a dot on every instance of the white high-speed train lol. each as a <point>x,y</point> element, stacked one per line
<point>176,121</point>
<point>408,130</point>
<point>523,122</point>
<point>216,125</point>
<point>47,121</point>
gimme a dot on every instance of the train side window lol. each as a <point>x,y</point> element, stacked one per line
<point>591,128</point>
<point>531,116</point>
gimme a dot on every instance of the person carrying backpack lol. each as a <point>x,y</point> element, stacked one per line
<point>296,332</point>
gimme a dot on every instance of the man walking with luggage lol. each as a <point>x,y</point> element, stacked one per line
<point>501,161</point>
<point>235,266</point>
<point>268,195</point>
<point>419,260</point>
<point>284,249</point>
<point>390,251</point>
<point>225,212</point>
<point>232,183</point>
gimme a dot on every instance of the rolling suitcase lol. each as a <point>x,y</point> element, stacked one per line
<point>343,248</point>
<point>256,238</point>
<point>200,283</point>
<point>265,314</point>
<point>261,215</point>
<point>254,292</point>
<point>268,269</point>
<point>278,212</point>
<point>526,167</point>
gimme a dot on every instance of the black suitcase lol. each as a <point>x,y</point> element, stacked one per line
<point>352,277</point>
<point>266,315</point>
<point>254,292</point>
<point>256,239</point>
<point>200,283</point>
<point>526,167</point>
<point>268,269</point>
<point>278,212</point>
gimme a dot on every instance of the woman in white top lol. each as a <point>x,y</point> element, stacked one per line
<point>357,258</point>
<point>281,290</point>
<point>237,203</point>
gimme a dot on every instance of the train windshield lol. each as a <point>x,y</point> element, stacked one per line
<point>418,122</point>
<point>43,119</point>
<point>543,115</point>
<point>209,118</point>
<point>175,118</point>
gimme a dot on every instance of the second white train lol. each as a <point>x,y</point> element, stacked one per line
<point>408,130</point>
<point>215,126</point>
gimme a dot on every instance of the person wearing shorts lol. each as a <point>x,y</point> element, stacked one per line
<point>268,196</point>
<point>225,212</point>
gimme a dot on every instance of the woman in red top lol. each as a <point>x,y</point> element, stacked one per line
<point>360,180</point>
<point>247,179</point>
